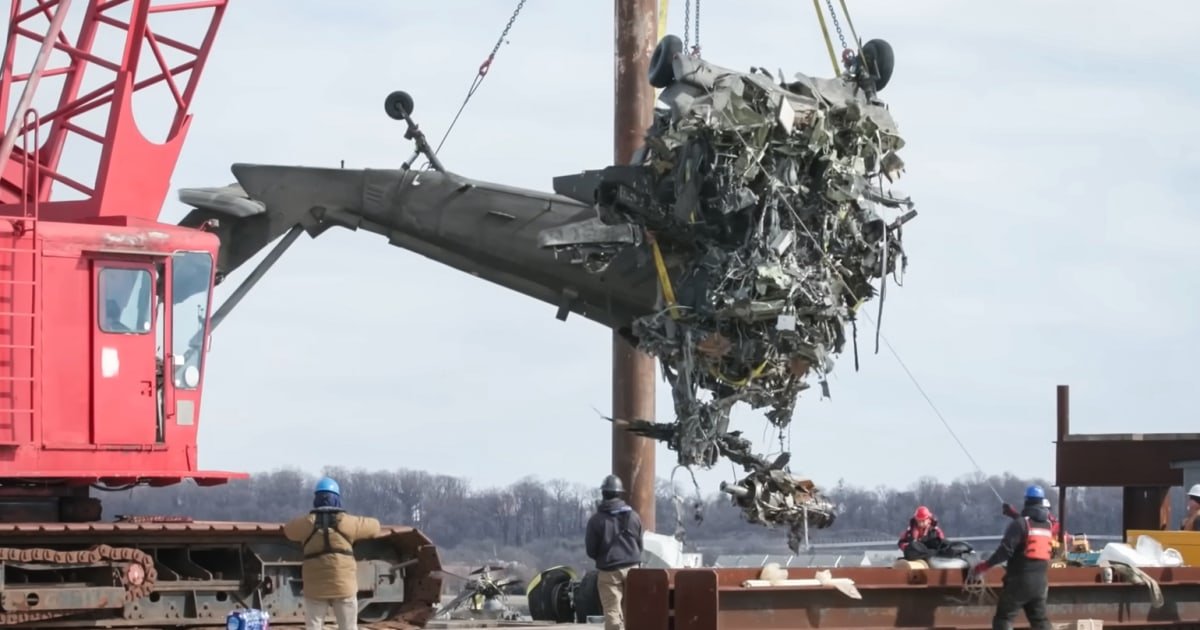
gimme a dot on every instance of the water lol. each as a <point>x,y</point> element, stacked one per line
<point>248,620</point>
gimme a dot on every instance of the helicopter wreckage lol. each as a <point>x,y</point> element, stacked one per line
<point>770,199</point>
<point>737,248</point>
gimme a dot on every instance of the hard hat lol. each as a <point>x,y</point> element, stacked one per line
<point>1034,492</point>
<point>1195,492</point>
<point>327,485</point>
<point>922,513</point>
<point>612,483</point>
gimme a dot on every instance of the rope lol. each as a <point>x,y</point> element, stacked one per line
<point>1137,576</point>
<point>480,74</point>
<point>976,592</point>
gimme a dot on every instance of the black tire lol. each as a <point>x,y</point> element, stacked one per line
<point>397,104</point>
<point>879,61</point>
<point>546,599</point>
<point>662,69</point>
<point>587,597</point>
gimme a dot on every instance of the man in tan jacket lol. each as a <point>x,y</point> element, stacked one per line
<point>327,535</point>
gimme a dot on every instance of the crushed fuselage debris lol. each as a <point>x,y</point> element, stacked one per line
<point>765,211</point>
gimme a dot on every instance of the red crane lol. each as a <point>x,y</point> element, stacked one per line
<point>104,323</point>
<point>100,296</point>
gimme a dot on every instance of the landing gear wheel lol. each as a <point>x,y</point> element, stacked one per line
<point>550,597</point>
<point>397,104</point>
<point>662,69</point>
<point>879,62</point>
<point>587,597</point>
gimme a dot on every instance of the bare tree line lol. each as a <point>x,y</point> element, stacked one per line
<point>541,522</point>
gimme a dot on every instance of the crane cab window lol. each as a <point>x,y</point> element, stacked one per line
<point>191,289</point>
<point>124,300</point>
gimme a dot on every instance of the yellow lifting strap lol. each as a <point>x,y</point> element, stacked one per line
<point>663,5</point>
<point>664,280</point>
<point>755,373</point>
<point>828,40</point>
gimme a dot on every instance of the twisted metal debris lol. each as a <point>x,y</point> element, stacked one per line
<point>768,201</point>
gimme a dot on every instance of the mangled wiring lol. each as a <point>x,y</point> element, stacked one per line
<point>825,257</point>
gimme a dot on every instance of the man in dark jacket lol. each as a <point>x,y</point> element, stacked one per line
<point>614,541</point>
<point>1027,546</point>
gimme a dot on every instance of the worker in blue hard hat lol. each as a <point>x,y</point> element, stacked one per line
<point>1055,525</point>
<point>330,573</point>
<point>1027,547</point>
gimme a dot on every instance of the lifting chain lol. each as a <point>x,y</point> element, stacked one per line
<point>133,568</point>
<point>837,26</point>
<point>483,70</point>
<point>487,63</point>
<point>687,27</point>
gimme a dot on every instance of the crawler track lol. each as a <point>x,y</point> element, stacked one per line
<point>169,574</point>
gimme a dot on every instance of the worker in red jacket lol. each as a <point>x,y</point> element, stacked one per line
<point>923,537</point>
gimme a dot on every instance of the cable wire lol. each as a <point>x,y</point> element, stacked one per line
<point>482,72</point>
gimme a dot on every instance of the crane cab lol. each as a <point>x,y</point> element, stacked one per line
<point>103,335</point>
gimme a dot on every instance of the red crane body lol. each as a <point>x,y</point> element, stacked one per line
<point>104,326</point>
<point>97,296</point>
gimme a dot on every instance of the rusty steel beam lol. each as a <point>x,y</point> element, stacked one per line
<point>714,599</point>
<point>1122,461</point>
<point>636,25</point>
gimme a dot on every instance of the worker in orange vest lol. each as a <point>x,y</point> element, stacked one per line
<point>1055,526</point>
<point>1027,547</point>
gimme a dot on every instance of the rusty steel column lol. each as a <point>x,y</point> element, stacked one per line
<point>1064,429</point>
<point>636,24</point>
<point>1064,411</point>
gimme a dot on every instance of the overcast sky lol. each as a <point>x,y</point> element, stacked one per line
<point>1051,154</point>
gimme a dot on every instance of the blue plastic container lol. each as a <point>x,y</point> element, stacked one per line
<point>252,619</point>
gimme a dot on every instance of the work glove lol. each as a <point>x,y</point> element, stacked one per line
<point>1009,511</point>
<point>976,571</point>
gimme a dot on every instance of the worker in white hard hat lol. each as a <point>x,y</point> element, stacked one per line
<point>1191,522</point>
